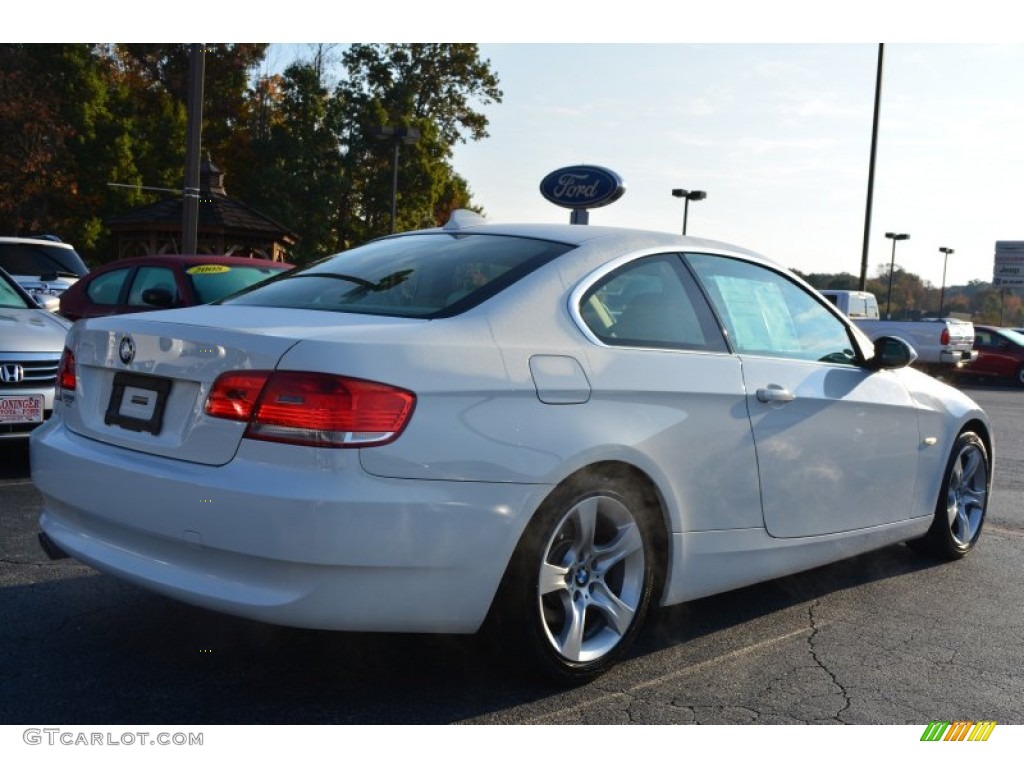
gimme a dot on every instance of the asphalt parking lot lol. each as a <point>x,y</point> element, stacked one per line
<point>888,637</point>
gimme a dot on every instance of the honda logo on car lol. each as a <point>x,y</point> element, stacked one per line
<point>582,186</point>
<point>11,373</point>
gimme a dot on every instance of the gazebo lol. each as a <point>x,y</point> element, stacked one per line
<point>226,226</point>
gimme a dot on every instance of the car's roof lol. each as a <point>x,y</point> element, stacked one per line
<point>36,241</point>
<point>579,235</point>
<point>179,258</point>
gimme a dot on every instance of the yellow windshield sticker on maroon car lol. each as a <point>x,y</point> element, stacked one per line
<point>208,269</point>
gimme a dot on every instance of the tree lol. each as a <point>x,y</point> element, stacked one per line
<point>435,89</point>
<point>157,77</point>
<point>65,136</point>
<point>300,173</point>
<point>84,126</point>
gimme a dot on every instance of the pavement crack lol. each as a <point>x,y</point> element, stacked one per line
<point>812,647</point>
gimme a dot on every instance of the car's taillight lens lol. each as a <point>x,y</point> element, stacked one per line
<point>66,378</point>
<point>311,408</point>
<point>944,338</point>
<point>234,394</point>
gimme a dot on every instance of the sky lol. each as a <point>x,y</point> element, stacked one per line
<point>766,107</point>
<point>779,136</point>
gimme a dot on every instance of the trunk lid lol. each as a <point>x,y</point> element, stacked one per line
<point>143,380</point>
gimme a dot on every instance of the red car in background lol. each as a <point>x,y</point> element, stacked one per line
<point>167,281</point>
<point>1000,354</point>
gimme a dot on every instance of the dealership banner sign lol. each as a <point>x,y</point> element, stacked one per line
<point>1008,271</point>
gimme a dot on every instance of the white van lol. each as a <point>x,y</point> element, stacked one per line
<point>857,305</point>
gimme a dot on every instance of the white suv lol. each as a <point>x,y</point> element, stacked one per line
<point>43,266</point>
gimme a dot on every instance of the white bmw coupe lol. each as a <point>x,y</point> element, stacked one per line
<point>541,429</point>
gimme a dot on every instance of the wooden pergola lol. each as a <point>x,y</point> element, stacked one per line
<point>226,226</point>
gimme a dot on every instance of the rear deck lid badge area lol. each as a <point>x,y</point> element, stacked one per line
<point>126,350</point>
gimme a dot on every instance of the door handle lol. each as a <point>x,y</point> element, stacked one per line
<point>773,393</point>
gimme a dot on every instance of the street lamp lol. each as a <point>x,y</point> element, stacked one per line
<point>397,136</point>
<point>942,293</point>
<point>892,266</point>
<point>687,196</point>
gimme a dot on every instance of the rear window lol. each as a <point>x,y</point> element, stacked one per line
<point>213,282</point>
<point>40,260</point>
<point>422,275</point>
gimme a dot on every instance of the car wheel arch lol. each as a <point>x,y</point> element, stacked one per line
<point>653,498</point>
<point>981,430</point>
<point>614,483</point>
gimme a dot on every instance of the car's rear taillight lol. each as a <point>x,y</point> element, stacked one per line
<point>944,338</point>
<point>235,393</point>
<point>66,378</point>
<point>311,408</point>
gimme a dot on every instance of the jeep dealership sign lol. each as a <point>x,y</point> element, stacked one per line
<point>1009,264</point>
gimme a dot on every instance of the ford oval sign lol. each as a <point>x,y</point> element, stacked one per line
<point>582,186</point>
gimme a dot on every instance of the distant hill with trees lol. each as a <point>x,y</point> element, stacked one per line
<point>914,298</point>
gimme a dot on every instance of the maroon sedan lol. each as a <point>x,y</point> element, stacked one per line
<point>162,282</point>
<point>1000,354</point>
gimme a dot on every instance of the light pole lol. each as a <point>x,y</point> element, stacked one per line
<point>942,292</point>
<point>397,136</point>
<point>697,194</point>
<point>892,266</point>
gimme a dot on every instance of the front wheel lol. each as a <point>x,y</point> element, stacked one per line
<point>963,500</point>
<point>581,580</point>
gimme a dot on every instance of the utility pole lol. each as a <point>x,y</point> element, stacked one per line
<point>190,206</point>
<point>871,169</point>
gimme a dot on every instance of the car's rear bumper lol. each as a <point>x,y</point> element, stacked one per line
<point>290,536</point>
<point>958,357</point>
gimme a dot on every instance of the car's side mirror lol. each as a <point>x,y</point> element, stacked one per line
<point>890,353</point>
<point>158,297</point>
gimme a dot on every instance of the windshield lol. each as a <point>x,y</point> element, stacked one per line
<point>10,298</point>
<point>213,282</point>
<point>422,275</point>
<point>1014,336</point>
<point>40,260</point>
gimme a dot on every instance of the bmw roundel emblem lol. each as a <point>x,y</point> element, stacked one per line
<point>126,350</point>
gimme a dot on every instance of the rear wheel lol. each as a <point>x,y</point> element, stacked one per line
<point>963,500</point>
<point>581,580</point>
<point>1018,377</point>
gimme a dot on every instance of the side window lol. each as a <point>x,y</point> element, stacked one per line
<point>151,277</point>
<point>106,289</point>
<point>651,302</point>
<point>767,314</point>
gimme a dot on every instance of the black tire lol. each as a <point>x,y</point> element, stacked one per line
<point>1018,377</point>
<point>963,501</point>
<point>580,582</point>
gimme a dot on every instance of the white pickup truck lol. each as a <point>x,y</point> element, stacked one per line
<point>940,344</point>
